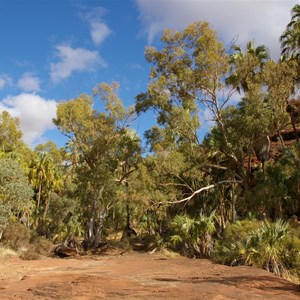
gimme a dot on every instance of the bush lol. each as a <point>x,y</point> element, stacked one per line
<point>270,246</point>
<point>41,245</point>
<point>30,254</point>
<point>193,236</point>
<point>292,245</point>
<point>229,249</point>
<point>16,236</point>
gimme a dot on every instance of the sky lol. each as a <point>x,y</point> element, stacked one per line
<point>54,50</point>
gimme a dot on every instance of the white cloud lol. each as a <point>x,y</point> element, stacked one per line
<point>261,21</point>
<point>99,30</point>
<point>72,60</point>
<point>29,83</point>
<point>4,80</point>
<point>35,114</point>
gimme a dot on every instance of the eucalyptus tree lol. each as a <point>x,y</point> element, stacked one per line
<point>100,141</point>
<point>192,73</point>
<point>15,193</point>
<point>186,73</point>
<point>187,78</point>
<point>10,133</point>
<point>11,143</point>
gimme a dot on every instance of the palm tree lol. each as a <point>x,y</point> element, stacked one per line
<point>245,65</point>
<point>290,39</point>
<point>37,175</point>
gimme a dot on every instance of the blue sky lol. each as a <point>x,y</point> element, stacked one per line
<point>54,50</point>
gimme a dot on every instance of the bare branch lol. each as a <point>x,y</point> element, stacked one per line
<point>124,176</point>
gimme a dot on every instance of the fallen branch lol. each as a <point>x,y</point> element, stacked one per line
<point>201,190</point>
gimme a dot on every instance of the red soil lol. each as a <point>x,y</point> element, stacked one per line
<point>137,276</point>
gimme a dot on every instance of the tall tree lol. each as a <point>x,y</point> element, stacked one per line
<point>101,143</point>
<point>188,76</point>
<point>46,178</point>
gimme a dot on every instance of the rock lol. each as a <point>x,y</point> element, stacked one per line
<point>64,251</point>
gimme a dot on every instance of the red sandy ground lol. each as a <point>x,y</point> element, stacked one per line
<point>137,276</point>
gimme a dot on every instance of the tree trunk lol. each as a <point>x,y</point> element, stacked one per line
<point>39,195</point>
<point>128,231</point>
<point>234,197</point>
<point>222,211</point>
<point>47,203</point>
<point>249,170</point>
<point>99,230</point>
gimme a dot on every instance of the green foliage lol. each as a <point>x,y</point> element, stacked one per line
<point>279,189</point>
<point>290,39</point>
<point>229,248</point>
<point>63,220</point>
<point>194,235</point>
<point>105,152</point>
<point>265,247</point>
<point>187,71</point>
<point>245,66</point>
<point>15,194</point>
<point>10,134</point>
<point>262,244</point>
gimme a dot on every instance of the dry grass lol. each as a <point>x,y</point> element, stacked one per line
<point>7,253</point>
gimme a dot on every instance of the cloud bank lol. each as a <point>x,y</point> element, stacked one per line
<point>261,21</point>
<point>35,114</point>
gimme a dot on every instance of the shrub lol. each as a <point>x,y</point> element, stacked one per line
<point>16,236</point>
<point>193,236</point>
<point>41,245</point>
<point>30,254</point>
<point>230,248</point>
<point>267,245</point>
